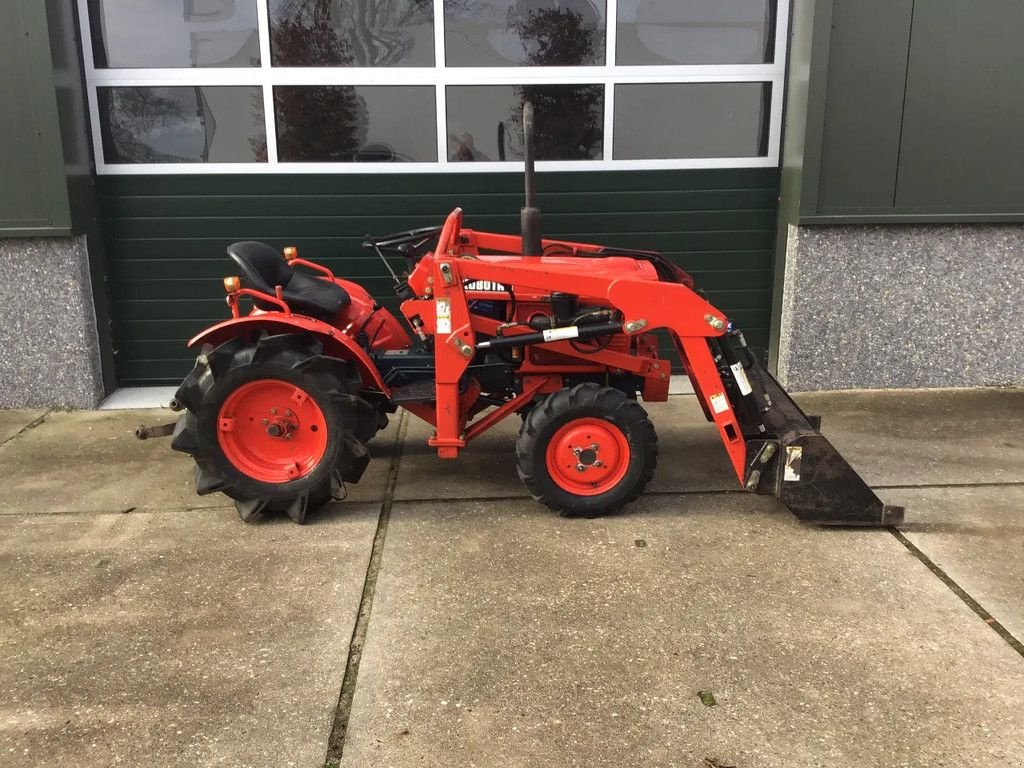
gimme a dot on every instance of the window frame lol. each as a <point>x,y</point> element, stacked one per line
<point>440,76</point>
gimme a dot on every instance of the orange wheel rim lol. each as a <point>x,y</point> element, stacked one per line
<point>587,457</point>
<point>272,431</point>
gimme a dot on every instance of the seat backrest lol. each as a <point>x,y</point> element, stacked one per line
<point>262,265</point>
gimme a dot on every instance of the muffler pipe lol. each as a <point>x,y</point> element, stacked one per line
<point>529,216</point>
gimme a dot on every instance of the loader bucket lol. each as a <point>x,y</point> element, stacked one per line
<point>793,461</point>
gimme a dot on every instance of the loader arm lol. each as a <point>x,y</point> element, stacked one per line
<point>771,444</point>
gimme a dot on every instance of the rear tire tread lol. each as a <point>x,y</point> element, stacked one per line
<point>333,378</point>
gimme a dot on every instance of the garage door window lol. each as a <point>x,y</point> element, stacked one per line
<point>381,86</point>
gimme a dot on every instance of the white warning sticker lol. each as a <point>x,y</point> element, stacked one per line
<point>444,316</point>
<point>741,378</point>
<point>719,403</point>
<point>557,334</point>
<point>794,455</point>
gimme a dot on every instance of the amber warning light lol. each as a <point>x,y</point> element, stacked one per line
<point>291,253</point>
<point>232,284</point>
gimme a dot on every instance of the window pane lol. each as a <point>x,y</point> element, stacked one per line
<point>211,124</point>
<point>485,122</point>
<point>493,33</point>
<point>352,33</point>
<point>695,31</point>
<point>187,33</point>
<point>672,120</point>
<point>364,124</point>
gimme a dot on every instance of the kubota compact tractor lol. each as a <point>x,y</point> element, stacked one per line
<point>282,401</point>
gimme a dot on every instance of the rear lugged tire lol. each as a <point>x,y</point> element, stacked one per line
<point>274,424</point>
<point>586,451</point>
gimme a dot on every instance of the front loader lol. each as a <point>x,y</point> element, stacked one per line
<point>282,400</point>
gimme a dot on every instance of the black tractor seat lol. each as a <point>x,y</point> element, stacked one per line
<point>264,268</point>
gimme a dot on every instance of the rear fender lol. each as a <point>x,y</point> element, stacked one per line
<point>336,343</point>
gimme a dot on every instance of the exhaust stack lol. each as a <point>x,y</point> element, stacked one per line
<point>529,216</point>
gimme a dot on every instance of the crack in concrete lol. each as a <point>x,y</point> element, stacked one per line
<point>112,511</point>
<point>31,425</point>
<point>960,592</point>
<point>339,729</point>
<point>140,510</point>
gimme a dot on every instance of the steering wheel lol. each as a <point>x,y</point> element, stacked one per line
<point>411,245</point>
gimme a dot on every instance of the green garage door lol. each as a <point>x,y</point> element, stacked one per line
<point>166,237</point>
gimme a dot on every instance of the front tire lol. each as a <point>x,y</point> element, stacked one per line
<point>586,451</point>
<point>271,425</point>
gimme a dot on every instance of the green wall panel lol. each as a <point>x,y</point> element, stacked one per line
<point>964,114</point>
<point>34,193</point>
<point>166,237</point>
<point>864,108</point>
<point>914,111</point>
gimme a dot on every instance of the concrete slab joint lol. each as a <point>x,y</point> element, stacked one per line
<point>51,347</point>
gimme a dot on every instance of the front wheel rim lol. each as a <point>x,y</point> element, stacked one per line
<point>587,456</point>
<point>272,431</point>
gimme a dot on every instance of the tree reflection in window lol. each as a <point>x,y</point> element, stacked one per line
<point>322,123</point>
<point>569,35</point>
<point>363,124</point>
<point>182,124</point>
<point>570,118</point>
<point>485,33</point>
<point>351,33</point>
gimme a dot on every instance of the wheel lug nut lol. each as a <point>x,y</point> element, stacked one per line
<point>273,411</point>
<point>580,468</point>
<point>265,422</point>
<point>595,447</point>
<point>598,463</point>
<point>288,413</point>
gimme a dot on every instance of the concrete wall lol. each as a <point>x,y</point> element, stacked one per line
<point>794,145</point>
<point>902,306</point>
<point>50,348</point>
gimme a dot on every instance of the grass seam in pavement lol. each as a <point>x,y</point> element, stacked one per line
<point>960,592</point>
<point>525,497</point>
<point>339,728</point>
<point>31,425</point>
<point>737,490</point>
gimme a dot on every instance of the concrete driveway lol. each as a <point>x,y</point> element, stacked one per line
<point>440,618</point>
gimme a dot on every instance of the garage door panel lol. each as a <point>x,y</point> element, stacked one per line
<point>184,288</point>
<point>462,186</point>
<point>166,237</point>
<point>180,331</point>
<point>497,203</point>
<point>217,265</point>
<point>278,227</point>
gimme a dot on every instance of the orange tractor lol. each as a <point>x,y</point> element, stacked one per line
<point>282,400</point>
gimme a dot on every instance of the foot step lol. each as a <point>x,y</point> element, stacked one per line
<point>417,392</point>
